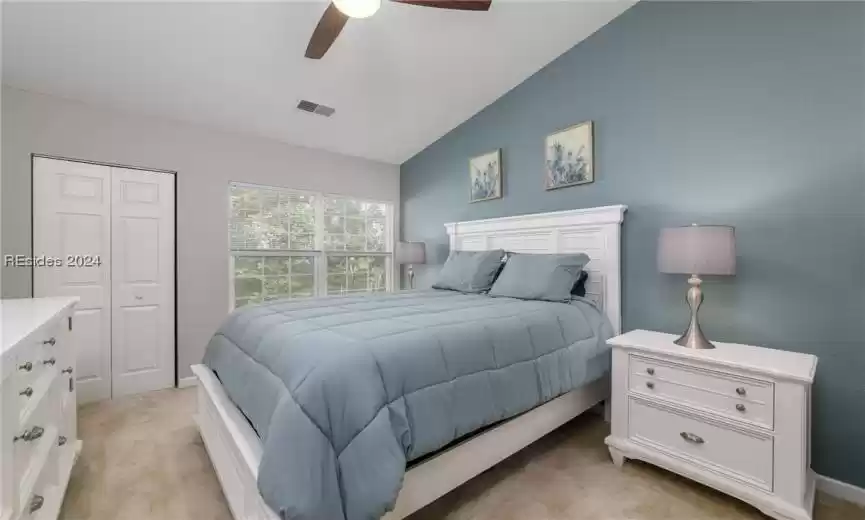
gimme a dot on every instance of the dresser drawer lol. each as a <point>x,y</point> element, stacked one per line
<point>35,357</point>
<point>35,436</point>
<point>28,367</point>
<point>41,501</point>
<point>735,397</point>
<point>733,453</point>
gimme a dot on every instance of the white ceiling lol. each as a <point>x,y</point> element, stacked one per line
<point>399,80</point>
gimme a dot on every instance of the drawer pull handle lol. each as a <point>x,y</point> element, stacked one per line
<point>741,390</point>
<point>26,367</point>
<point>650,384</point>
<point>61,441</point>
<point>49,362</point>
<point>650,371</point>
<point>51,342</point>
<point>740,407</point>
<point>690,437</point>
<point>36,503</point>
<point>30,435</point>
<point>27,392</point>
<point>67,370</point>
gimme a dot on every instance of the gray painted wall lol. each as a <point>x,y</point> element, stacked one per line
<point>205,161</point>
<point>750,114</point>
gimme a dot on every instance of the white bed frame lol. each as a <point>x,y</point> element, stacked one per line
<point>235,449</point>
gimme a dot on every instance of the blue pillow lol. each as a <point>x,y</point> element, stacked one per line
<point>540,277</point>
<point>470,271</point>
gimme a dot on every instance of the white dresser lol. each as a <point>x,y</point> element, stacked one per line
<point>38,441</point>
<point>736,418</point>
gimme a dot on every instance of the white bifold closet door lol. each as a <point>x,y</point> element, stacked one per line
<point>113,230</point>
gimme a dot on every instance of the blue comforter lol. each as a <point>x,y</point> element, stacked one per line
<point>345,391</point>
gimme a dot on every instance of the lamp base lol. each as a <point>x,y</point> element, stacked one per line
<point>693,337</point>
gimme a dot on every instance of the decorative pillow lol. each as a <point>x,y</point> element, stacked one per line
<point>579,288</point>
<point>540,277</point>
<point>470,271</point>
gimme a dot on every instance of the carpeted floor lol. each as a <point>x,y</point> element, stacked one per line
<point>143,459</point>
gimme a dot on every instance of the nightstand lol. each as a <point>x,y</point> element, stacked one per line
<point>736,418</point>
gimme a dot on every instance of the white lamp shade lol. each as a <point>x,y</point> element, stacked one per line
<point>697,250</point>
<point>410,253</point>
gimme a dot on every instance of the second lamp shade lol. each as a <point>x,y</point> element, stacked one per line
<point>410,253</point>
<point>697,250</point>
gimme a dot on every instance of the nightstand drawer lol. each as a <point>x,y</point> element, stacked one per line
<point>734,453</point>
<point>735,397</point>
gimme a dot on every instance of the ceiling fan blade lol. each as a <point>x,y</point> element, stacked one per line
<point>328,28</point>
<point>460,5</point>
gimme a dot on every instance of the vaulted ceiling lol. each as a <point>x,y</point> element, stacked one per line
<point>398,80</point>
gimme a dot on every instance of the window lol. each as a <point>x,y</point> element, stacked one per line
<point>291,244</point>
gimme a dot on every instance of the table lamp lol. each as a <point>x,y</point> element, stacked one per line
<point>410,253</point>
<point>697,250</point>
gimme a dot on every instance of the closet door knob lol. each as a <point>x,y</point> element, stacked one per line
<point>67,370</point>
<point>51,342</point>
<point>26,367</point>
<point>49,362</point>
<point>26,392</point>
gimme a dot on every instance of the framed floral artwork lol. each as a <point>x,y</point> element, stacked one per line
<point>485,176</point>
<point>570,157</point>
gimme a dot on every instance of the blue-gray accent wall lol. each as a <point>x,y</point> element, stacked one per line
<point>749,114</point>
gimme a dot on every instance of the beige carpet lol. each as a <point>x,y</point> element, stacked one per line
<point>143,459</point>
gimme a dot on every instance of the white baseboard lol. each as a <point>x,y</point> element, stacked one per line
<point>186,382</point>
<point>841,490</point>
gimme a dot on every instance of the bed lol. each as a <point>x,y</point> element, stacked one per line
<point>390,401</point>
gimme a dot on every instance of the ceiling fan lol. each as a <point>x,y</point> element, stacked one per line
<point>339,11</point>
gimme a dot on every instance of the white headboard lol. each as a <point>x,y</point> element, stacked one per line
<point>593,231</point>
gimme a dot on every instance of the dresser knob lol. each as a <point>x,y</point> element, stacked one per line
<point>26,367</point>
<point>650,371</point>
<point>740,407</point>
<point>36,503</point>
<point>741,390</point>
<point>51,342</point>
<point>49,362</point>
<point>650,384</point>
<point>61,441</point>
<point>26,392</point>
<point>692,438</point>
<point>30,435</point>
<point>67,370</point>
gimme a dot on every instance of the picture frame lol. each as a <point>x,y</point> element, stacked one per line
<point>569,157</point>
<point>485,176</point>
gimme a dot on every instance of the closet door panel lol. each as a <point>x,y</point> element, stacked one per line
<point>142,281</point>
<point>72,228</point>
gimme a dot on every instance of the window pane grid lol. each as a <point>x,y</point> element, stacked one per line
<point>267,278</point>
<point>279,237</point>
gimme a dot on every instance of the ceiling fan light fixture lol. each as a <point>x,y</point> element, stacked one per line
<point>358,8</point>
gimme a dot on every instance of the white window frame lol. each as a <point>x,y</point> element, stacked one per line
<point>318,251</point>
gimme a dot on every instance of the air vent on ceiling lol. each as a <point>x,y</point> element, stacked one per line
<point>315,108</point>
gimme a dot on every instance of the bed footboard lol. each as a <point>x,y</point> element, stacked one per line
<point>234,449</point>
